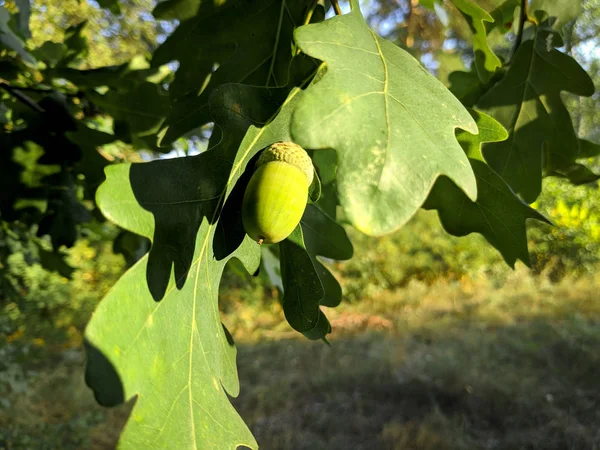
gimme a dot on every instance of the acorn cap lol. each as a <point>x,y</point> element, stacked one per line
<point>290,153</point>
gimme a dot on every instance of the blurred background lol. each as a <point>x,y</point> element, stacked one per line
<point>437,344</point>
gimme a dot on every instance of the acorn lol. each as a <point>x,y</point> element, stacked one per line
<point>277,193</point>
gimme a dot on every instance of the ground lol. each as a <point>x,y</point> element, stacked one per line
<point>461,365</point>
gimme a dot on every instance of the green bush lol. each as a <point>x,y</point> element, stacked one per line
<point>53,306</point>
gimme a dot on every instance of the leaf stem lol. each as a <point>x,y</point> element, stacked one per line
<point>15,92</point>
<point>336,7</point>
<point>310,12</point>
<point>272,66</point>
<point>307,18</point>
<point>521,27</point>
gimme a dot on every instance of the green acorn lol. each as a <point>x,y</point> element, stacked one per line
<point>277,193</point>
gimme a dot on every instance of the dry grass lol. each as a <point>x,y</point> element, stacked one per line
<point>461,365</point>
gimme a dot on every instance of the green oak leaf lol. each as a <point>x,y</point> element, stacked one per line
<point>498,214</point>
<point>486,61</point>
<point>123,76</point>
<point>9,40</point>
<point>55,261</point>
<point>503,16</point>
<point>527,102</point>
<point>177,9</point>
<point>75,45</point>
<point>302,288</point>
<point>468,88</point>
<point>427,3</point>
<point>271,267</point>
<point>490,130</point>
<point>564,11</point>
<point>314,190</point>
<point>323,236</point>
<point>325,162</point>
<point>157,334</point>
<point>391,123</point>
<point>577,173</point>
<point>307,283</point>
<point>21,19</point>
<point>112,5</point>
<point>254,48</point>
<point>142,109</point>
<point>92,163</point>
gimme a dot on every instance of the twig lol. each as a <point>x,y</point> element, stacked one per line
<point>15,92</point>
<point>272,66</point>
<point>32,89</point>
<point>336,7</point>
<point>310,12</point>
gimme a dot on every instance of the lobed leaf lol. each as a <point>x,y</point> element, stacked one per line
<point>503,16</point>
<point>498,214</point>
<point>564,11</point>
<point>486,62</point>
<point>391,123</point>
<point>527,102</point>
<point>157,334</point>
<point>307,283</point>
<point>254,48</point>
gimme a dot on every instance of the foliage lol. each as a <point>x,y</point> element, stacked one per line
<point>261,72</point>
<point>572,245</point>
<point>51,305</point>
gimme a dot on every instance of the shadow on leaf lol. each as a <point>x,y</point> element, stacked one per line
<point>102,377</point>
<point>179,193</point>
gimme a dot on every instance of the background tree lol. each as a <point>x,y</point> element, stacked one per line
<point>86,85</point>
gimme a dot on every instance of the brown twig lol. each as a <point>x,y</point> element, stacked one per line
<point>336,7</point>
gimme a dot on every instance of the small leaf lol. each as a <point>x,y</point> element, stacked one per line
<point>132,246</point>
<point>503,16</point>
<point>176,9</point>
<point>64,212</point>
<point>143,109</point>
<point>75,43</point>
<point>272,267</point>
<point>391,123</point>
<point>9,40</point>
<point>92,163</point>
<point>490,130</point>
<point>112,5</point>
<point>50,52</point>
<point>325,237</point>
<point>307,283</point>
<point>564,11</point>
<point>527,101</point>
<point>326,163</point>
<point>22,18</point>
<point>302,288</point>
<point>314,190</point>
<point>578,173</point>
<point>468,88</point>
<point>498,214</point>
<point>55,261</point>
<point>486,62</point>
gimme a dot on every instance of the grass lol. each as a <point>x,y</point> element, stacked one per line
<point>453,365</point>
